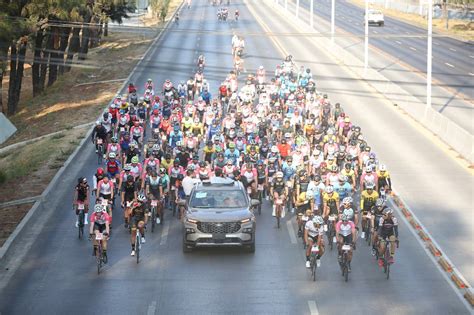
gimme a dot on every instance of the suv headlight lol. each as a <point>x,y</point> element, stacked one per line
<point>192,221</point>
<point>246,220</point>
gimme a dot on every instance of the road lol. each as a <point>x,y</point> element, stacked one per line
<point>398,51</point>
<point>58,274</point>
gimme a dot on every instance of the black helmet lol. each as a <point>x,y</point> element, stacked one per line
<point>180,177</point>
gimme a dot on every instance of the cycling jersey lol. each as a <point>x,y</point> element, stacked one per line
<point>279,186</point>
<point>345,229</point>
<point>82,192</point>
<point>312,230</point>
<point>331,201</point>
<point>387,226</point>
<point>367,201</point>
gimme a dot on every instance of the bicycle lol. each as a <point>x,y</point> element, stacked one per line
<point>153,216</point>
<point>138,244</point>
<point>99,254</point>
<point>80,220</point>
<point>386,256</point>
<point>100,150</point>
<point>279,204</point>
<point>313,257</point>
<point>345,263</point>
<point>367,228</point>
<point>331,230</point>
<point>260,189</point>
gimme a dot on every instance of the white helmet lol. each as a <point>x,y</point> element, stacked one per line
<point>349,212</point>
<point>274,149</point>
<point>279,174</point>
<point>98,208</point>
<point>329,189</point>
<point>382,167</point>
<point>318,220</point>
<point>112,155</point>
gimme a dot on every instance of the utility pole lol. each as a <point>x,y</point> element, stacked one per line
<point>366,43</point>
<point>333,13</point>
<point>429,53</point>
<point>311,13</point>
<point>286,5</point>
<point>297,8</point>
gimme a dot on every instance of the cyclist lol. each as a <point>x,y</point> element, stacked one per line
<point>345,229</point>
<point>383,177</point>
<point>279,191</point>
<point>377,214</point>
<point>81,196</point>
<point>100,223</point>
<point>368,198</point>
<point>154,191</point>
<point>138,220</point>
<point>387,229</point>
<point>313,234</point>
<point>98,176</point>
<point>105,189</point>
<point>129,193</point>
<point>330,202</point>
<point>99,132</point>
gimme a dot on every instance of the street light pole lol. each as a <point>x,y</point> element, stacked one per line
<point>333,13</point>
<point>286,5</point>
<point>311,8</point>
<point>430,52</point>
<point>297,8</point>
<point>366,44</point>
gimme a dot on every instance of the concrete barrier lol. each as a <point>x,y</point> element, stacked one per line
<point>7,129</point>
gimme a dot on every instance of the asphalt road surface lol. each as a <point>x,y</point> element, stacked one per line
<point>58,274</point>
<point>398,50</point>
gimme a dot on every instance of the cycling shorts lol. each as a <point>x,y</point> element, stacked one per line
<point>346,239</point>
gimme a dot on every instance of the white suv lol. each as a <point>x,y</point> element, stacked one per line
<point>375,17</point>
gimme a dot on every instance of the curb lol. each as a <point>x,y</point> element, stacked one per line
<point>20,201</point>
<point>7,246</point>
<point>431,246</point>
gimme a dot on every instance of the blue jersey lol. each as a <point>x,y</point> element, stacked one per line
<point>344,191</point>
<point>288,171</point>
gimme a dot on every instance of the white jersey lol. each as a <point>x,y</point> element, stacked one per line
<point>312,230</point>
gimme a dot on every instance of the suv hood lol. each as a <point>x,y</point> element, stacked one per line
<point>218,215</point>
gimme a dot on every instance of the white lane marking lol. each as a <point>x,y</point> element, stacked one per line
<point>452,49</point>
<point>198,38</point>
<point>375,32</point>
<point>398,42</point>
<point>407,32</point>
<point>313,307</point>
<point>436,43</point>
<point>471,56</point>
<point>350,20</point>
<point>151,308</point>
<point>470,73</point>
<point>449,65</point>
<point>413,48</point>
<point>164,234</point>
<point>291,231</point>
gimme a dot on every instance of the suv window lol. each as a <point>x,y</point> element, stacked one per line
<point>218,199</point>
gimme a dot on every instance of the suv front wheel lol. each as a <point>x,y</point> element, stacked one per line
<point>186,248</point>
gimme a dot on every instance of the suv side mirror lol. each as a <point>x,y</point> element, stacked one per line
<point>254,202</point>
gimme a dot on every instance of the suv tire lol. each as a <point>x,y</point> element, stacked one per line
<point>251,248</point>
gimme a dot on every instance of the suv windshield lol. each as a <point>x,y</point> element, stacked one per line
<point>220,199</point>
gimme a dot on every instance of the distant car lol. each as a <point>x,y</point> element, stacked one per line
<point>220,213</point>
<point>375,17</point>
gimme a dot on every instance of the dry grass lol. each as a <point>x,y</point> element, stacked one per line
<point>29,169</point>
<point>10,218</point>
<point>462,29</point>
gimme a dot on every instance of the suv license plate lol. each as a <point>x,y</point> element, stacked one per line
<point>218,238</point>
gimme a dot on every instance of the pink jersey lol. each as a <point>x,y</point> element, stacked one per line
<point>345,229</point>
<point>100,218</point>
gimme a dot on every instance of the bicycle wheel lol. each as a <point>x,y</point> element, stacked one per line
<point>81,224</point>
<point>153,219</point>
<point>313,267</point>
<point>99,258</point>
<point>278,214</point>
<point>346,272</point>
<point>331,237</point>
<point>137,246</point>
<point>99,154</point>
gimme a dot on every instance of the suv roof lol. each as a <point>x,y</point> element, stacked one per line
<point>219,183</point>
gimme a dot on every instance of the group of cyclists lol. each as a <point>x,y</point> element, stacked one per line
<point>275,132</point>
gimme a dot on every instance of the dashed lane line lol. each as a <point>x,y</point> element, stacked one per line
<point>164,233</point>
<point>291,231</point>
<point>413,48</point>
<point>313,307</point>
<point>449,65</point>
<point>398,42</point>
<point>151,308</point>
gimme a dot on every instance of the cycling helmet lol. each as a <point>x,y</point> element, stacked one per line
<point>348,212</point>
<point>135,160</point>
<point>180,177</point>
<point>98,123</point>
<point>202,164</point>
<point>162,170</point>
<point>388,211</point>
<point>231,145</point>
<point>318,220</point>
<point>344,217</point>
<point>329,189</point>
<point>100,171</point>
<point>317,178</point>
<point>112,155</point>
<point>342,178</point>
<point>370,185</point>
<point>347,200</point>
<point>127,167</point>
<point>274,149</point>
<point>379,202</point>
<point>141,197</point>
<point>279,174</point>
<point>259,162</point>
<point>98,208</point>
<point>114,140</point>
<point>382,167</point>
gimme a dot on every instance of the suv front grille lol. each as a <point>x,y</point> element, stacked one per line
<point>218,228</point>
